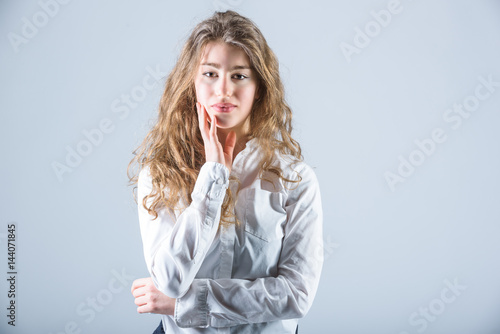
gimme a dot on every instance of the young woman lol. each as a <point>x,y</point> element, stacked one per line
<point>230,214</point>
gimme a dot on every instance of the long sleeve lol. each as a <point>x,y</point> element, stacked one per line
<point>229,302</point>
<point>174,248</point>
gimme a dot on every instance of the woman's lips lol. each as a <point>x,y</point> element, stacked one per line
<point>223,107</point>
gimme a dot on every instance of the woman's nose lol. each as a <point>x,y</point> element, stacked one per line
<point>224,87</point>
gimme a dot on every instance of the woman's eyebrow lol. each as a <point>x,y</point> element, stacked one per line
<point>237,67</point>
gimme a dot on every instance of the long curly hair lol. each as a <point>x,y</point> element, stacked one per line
<point>174,149</point>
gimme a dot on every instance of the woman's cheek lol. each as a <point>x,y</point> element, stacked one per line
<point>204,89</point>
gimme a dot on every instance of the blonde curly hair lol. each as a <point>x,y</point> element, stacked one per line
<point>174,149</point>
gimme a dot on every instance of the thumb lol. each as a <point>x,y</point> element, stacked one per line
<point>229,144</point>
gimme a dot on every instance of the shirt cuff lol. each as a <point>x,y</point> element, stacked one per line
<point>191,310</point>
<point>213,180</point>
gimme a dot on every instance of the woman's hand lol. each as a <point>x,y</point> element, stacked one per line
<point>149,299</point>
<point>213,148</point>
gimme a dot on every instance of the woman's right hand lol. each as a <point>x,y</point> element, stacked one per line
<point>213,148</point>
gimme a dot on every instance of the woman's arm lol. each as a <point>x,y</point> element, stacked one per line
<point>229,302</point>
<point>175,249</point>
<point>174,260</point>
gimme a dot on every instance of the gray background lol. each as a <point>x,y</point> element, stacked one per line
<point>389,252</point>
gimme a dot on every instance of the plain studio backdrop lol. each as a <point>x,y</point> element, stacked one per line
<point>396,106</point>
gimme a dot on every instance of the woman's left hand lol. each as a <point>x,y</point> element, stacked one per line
<point>149,299</point>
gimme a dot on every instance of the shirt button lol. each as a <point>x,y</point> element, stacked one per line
<point>219,181</point>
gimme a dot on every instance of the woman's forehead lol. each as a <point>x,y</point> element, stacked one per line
<point>216,52</point>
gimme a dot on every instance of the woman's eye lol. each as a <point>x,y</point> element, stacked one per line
<point>240,76</point>
<point>235,76</point>
<point>209,74</point>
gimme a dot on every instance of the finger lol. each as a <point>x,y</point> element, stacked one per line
<point>202,121</point>
<point>213,128</point>
<point>138,283</point>
<point>208,117</point>
<point>140,291</point>
<point>144,309</point>
<point>229,145</point>
<point>208,123</point>
<point>141,301</point>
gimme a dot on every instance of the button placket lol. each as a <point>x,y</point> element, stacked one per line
<point>226,250</point>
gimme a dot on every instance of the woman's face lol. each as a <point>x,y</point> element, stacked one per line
<point>226,85</point>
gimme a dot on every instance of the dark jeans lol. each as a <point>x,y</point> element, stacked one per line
<point>160,330</point>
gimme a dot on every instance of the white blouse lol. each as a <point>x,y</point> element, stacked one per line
<point>257,276</point>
